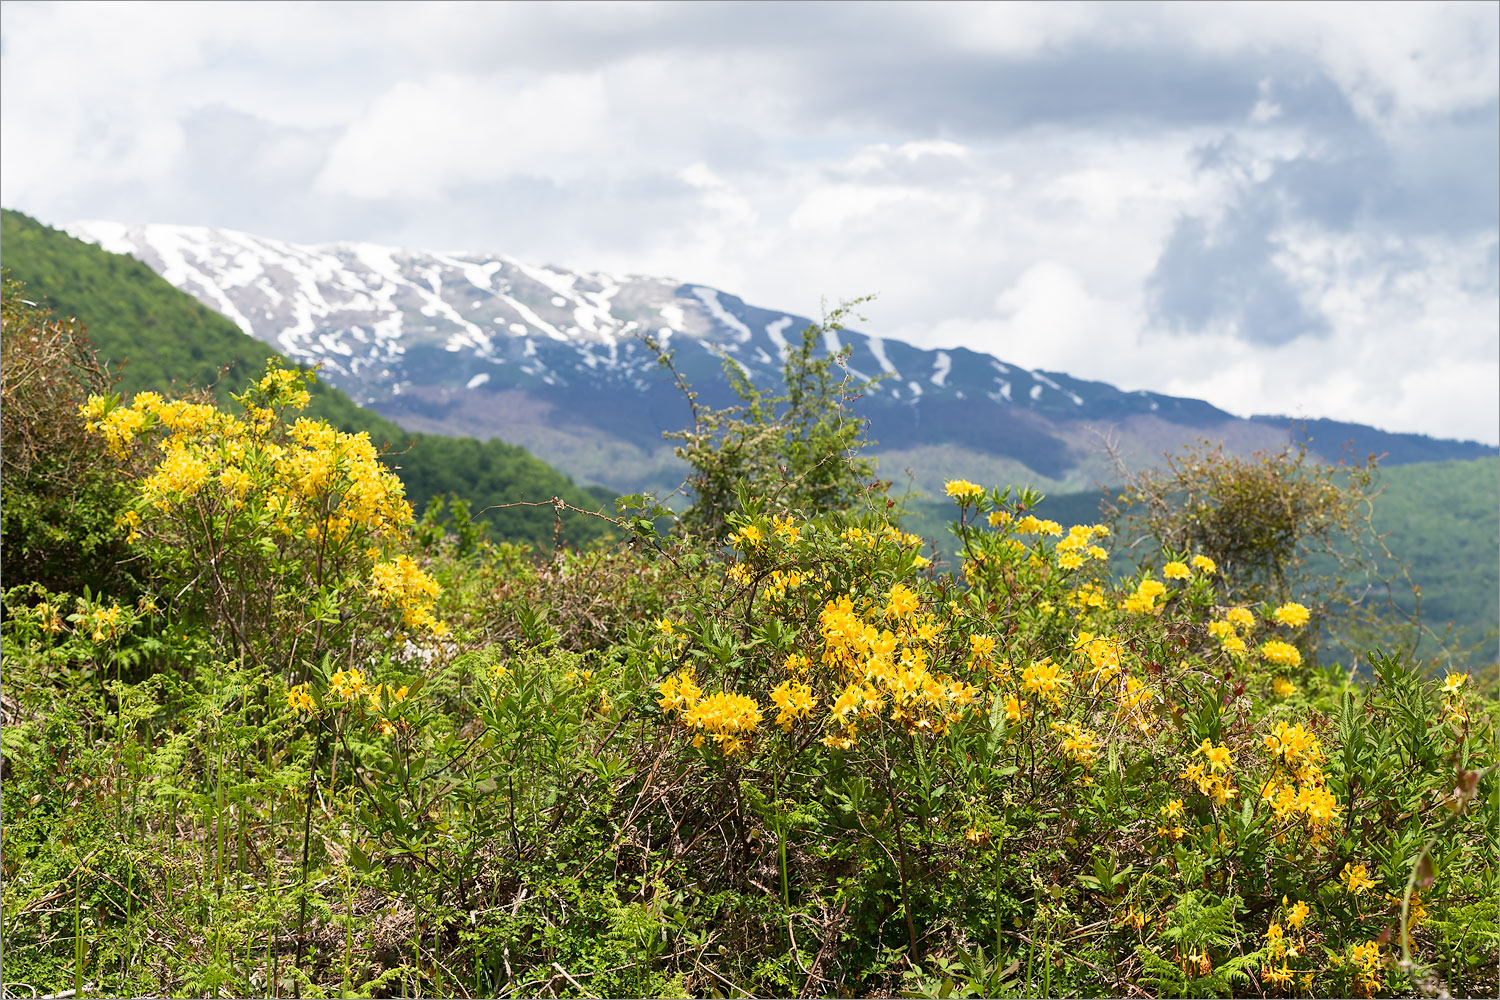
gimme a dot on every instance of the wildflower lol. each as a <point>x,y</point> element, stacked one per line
<point>299,700</point>
<point>1277,976</point>
<point>999,517</point>
<point>1143,601</point>
<point>666,626</point>
<point>974,835</point>
<point>349,684</point>
<point>678,692</point>
<point>1275,940</point>
<point>1204,565</point>
<point>902,602</point>
<point>1219,758</point>
<point>1176,571</point>
<point>1453,682</point>
<point>793,700</point>
<point>1014,708</point>
<point>1079,742</point>
<point>1297,914</point>
<point>1045,678</point>
<point>981,647</point>
<point>1283,688</point>
<point>1281,653</point>
<point>1242,618</point>
<point>723,717</point>
<point>962,490</point>
<point>1356,879</point>
<point>1292,614</point>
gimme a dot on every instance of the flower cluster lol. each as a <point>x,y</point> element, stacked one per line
<point>724,718</point>
<point>402,584</point>
<point>1214,775</point>
<point>793,700</point>
<point>1299,788</point>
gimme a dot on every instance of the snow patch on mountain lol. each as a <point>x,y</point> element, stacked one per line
<point>710,299</point>
<point>941,366</point>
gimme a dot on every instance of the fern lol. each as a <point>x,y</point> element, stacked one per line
<point>1196,925</point>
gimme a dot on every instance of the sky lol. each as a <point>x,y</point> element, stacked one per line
<point>1288,209</point>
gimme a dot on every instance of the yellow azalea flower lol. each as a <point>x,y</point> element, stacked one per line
<point>1356,879</point>
<point>1283,654</point>
<point>1283,688</point>
<point>902,602</point>
<point>1046,679</point>
<point>1292,614</point>
<point>1453,682</point>
<point>1176,571</point>
<point>1204,564</point>
<point>1242,618</point>
<point>962,490</point>
<point>1297,915</point>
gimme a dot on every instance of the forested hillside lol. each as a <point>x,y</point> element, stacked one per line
<point>156,337</point>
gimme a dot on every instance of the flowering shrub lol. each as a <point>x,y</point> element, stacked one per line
<point>804,757</point>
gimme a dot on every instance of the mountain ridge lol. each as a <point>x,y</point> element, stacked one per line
<point>482,344</point>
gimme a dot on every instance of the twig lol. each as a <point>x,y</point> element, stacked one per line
<point>576,984</point>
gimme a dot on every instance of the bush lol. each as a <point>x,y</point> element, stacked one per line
<point>335,752</point>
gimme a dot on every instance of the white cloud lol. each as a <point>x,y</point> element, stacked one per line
<point>759,154</point>
<point>429,135</point>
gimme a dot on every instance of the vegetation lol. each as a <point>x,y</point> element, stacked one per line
<point>314,746</point>
<point>155,337</point>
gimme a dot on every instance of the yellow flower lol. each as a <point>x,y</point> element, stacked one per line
<point>1453,682</point>
<point>1219,758</point>
<point>1046,679</point>
<point>999,517</point>
<point>1176,571</point>
<point>793,700</point>
<point>1297,915</point>
<point>1282,654</point>
<point>299,700</point>
<point>1204,565</point>
<point>1292,614</point>
<point>723,717</point>
<point>962,490</point>
<point>1356,879</point>
<point>1283,688</point>
<point>666,627</point>
<point>902,602</point>
<point>1240,618</point>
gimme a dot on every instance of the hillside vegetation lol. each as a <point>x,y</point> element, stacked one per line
<point>307,745</point>
<point>156,337</point>
<point>1440,521</point>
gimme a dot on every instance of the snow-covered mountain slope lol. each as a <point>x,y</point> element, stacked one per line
<point>487,345</point>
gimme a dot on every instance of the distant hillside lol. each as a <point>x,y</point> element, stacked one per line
<point>159,336</point>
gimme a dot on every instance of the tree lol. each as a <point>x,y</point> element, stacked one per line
<point>798,451</point>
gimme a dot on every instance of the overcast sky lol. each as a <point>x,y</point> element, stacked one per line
<point>1285,209</point>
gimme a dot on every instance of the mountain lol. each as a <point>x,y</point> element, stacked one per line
<point>163,336</point>
<point>480,344</point>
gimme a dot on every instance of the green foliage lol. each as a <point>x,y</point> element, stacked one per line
<point>800,450</point>
<point>58,490</point>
